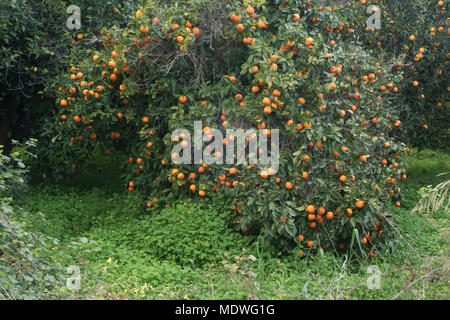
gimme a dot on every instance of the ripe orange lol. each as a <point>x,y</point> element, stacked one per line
<point>144,29</point>
<point>182,99</point>
<point>240,27</point>
<point>63,102</point>
<point>310,243</point>
<point>310,209</point>
<point>359,204</point>
<point>309,41</point>
<point>250,10</point>
<point>349,212</point>
<point>288,185</point>
<point>235,18</point>
<point>330,215</point>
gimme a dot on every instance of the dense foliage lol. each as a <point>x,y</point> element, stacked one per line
<point>295,67</point>
<point>28,266</point>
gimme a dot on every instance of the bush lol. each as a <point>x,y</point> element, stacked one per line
<point>28,265</point>
<point>296,67</point>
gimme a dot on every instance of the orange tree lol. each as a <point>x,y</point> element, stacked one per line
<point>35,46</point>
<point>292,65</point>
<point>414,38</point>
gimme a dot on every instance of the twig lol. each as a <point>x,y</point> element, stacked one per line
<point>421,278</point>
<point>365,281</point>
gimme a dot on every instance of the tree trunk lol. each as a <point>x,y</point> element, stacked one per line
<point>6,120</point>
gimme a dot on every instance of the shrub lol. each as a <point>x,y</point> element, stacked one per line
<point>28,266</point>
<point>296,67</point>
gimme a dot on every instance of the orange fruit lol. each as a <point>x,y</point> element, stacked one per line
<point>310,209</point>
<point>267,110</point>
<point>235,18</point>
<point>330,215</point>
<point>359,204</point>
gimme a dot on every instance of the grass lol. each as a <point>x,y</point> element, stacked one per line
<point>187,251</point>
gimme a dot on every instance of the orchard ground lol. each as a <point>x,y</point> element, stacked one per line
<point>186,251</point>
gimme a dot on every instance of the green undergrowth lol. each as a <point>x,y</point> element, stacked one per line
<point>189,251</point>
